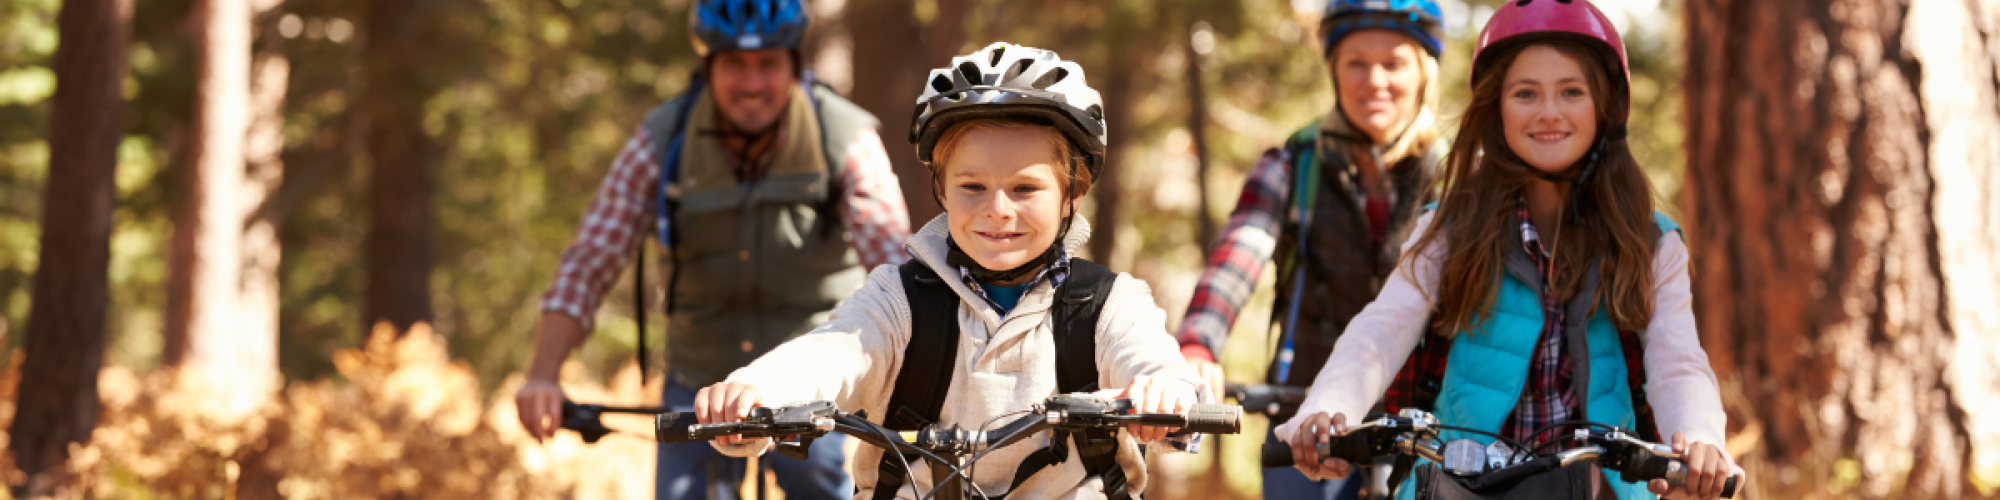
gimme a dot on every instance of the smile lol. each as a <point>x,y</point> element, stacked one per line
<point>1549,137</point>
<point>999,236</point>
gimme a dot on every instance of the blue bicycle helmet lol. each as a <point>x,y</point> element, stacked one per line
<point>1420,19</point>
<point>722,25</point>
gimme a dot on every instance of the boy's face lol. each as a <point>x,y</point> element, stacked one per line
<point>1003,200</point>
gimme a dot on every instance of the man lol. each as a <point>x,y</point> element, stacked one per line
<point>769,194</point>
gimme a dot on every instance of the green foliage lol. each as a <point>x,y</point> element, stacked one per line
<point>537,98</point>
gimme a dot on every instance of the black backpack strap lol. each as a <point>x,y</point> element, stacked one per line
<point>1080,304</point>
<point>926,374</point>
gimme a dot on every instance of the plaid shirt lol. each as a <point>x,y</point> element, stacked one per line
<point>1056,273</point>
<point>1547,398</point>
<point>1239,256</point>
<point>1246,243</point>
<point>871,210</point>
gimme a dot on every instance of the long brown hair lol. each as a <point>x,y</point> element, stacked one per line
<point>1483,181</point>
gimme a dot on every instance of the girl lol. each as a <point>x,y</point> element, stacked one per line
<point>1012,136</point>
<point>1544,258</point>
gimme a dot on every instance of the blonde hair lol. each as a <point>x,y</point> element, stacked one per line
<point>1075,180</point>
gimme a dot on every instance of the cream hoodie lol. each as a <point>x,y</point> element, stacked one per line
<point>1005,364</point>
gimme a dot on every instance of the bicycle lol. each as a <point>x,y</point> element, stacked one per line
<point>588,422</point>
<point>952,451</point>
<point>1270,400</point>
<point>1413,434</point>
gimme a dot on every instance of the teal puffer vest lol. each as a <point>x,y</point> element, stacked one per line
<point>1486,371</point>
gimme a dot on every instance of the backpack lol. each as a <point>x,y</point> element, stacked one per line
<point>928,366</point>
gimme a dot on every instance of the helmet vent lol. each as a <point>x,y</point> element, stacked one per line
<point>1095,112</point>
<point>940,84</point>
<point>970,72</point>
<point>1016,70</point>
<point>997,53</point>
<point>1052,77</point>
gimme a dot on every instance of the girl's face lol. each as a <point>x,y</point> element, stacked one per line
<point>1548,109</point>
<point>1002,197</point>
<point>1378,78</point>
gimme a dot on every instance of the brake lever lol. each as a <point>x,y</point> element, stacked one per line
<point>585,419</point>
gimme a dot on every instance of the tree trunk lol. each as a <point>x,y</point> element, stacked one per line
<point>1197,58</point>
<point>1840,214</point>
<point>887,85</point>
<point>401,219</point>
<point>57,403</point>
<point>222,329</point>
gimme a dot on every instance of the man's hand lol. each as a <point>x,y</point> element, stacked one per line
<point>539,404</point>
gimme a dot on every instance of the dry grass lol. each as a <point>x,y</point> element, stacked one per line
<point>406,422</point>
<point>403,420</point>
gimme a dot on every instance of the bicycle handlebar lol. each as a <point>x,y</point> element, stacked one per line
<point>1415,435</point>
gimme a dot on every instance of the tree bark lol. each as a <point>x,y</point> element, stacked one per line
<point>222,329</point>
<point>1839,210</point>
<point>887,85</point>
<point>57,403</point>
<point>401,219</point>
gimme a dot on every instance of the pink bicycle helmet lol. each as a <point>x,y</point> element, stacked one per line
<point>1521,21</point>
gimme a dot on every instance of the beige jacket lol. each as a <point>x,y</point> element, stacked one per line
<point>1005,364</point>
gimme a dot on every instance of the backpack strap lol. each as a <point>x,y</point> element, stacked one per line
<point>926,375</point>
<point>1081,304</point>
<point>924,380</point>
<point>1303,147</point>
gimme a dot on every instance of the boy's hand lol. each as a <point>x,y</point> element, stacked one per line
<point>1157,395</point>
<point>723,403</point>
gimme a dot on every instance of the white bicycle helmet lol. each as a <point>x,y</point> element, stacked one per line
<point>1005,80</point>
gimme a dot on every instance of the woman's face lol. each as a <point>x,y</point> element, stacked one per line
<point>1003,200</point>
<point>1377,77</point>
<point>1548,109</point>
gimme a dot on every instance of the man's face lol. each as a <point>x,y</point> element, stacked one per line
<point>752,87</point>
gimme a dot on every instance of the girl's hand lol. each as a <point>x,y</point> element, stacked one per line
<point>1312,433</point>
<point>1707,468</point>
<point>723,403</point>
<point>1157,395</point>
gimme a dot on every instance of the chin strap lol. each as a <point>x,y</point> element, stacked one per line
<point>1579,189</point>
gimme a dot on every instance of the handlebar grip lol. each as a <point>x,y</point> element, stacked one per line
<point>674,427</point>
<point>1214,419</point>
<point>1277,455</point>
<point>1676,474</point>
<point>1353,448</point>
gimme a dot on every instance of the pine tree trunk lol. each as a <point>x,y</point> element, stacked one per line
<point>887,85</point>
<point>401,219</point>
<point>1840,207</point>
<point>57,403</point>
<point>222,329</point>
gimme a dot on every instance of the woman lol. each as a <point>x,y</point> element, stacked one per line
<point>1337,200</point>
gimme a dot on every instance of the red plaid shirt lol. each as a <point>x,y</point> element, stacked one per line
<point>1547,399</point>
<point>872,211</point>
<point>1245,245</point>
